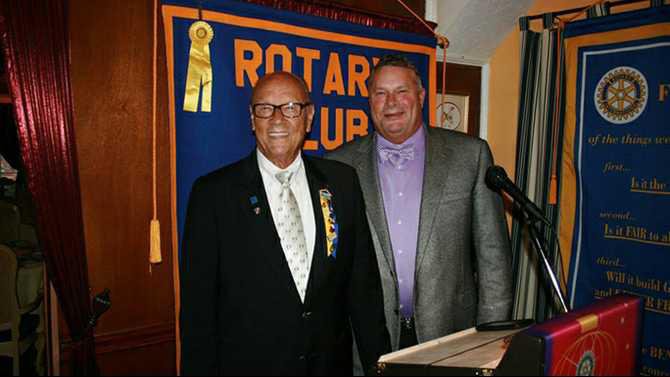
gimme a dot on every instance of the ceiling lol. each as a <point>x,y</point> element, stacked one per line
<point>475,28</point>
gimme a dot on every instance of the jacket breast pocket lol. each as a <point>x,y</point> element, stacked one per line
<point>455,196</point>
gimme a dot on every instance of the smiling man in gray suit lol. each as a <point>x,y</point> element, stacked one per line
<point>439,232</point>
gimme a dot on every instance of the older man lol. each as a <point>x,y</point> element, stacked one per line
<point>277,261</point>
<point>439,232</point>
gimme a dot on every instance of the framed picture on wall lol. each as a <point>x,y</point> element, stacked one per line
<point>453,112</point>
<point>463,97</point>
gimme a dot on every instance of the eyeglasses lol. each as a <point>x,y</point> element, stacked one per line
<point>288,110</point>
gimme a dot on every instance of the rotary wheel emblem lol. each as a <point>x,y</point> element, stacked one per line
<point>587,364</point>
<point>621,95</point>
<point>593,354</point>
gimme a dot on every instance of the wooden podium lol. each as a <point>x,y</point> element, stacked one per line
<point>600,339</point>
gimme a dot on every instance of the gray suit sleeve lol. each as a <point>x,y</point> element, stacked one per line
<point>492,247</point>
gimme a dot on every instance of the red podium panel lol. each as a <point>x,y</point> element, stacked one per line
<point>599,340</point>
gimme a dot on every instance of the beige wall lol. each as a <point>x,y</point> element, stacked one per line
<point>504,84</point>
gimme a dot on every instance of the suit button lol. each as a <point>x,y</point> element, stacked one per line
<point>306,315</point>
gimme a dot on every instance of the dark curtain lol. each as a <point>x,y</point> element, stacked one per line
<point>35,40</point>
<point>541,59</point>
<point>539,142</point>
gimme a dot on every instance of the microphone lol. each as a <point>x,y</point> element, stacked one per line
<point>497,179</point>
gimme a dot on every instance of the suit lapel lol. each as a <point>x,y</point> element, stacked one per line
<point>319,269</point>
<point>436,172</point>
<point>374,201</point>
<point>262,223</point>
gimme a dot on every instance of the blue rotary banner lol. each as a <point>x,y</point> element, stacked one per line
<point>215,55</point>
<point>615,184</point>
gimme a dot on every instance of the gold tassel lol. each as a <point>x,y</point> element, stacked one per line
<point>155,227</point>
<point>155,253</point>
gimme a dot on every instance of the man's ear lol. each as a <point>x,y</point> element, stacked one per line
<point>251,118</point>
<point>422,96</point>
<point>310,118</point>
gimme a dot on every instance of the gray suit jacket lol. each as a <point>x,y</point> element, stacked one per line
<point>463,268</point>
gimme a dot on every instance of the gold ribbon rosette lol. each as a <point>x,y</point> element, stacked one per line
<point>330,222</point>
<point>199,73</point>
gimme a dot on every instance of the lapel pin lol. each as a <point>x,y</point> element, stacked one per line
<point>254,201</point>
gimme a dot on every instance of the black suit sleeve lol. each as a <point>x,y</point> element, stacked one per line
<point>366,303</point>
<point>199,281</point>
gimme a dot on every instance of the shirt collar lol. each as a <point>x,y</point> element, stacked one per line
<point>418,140</point>
<point>270,168</point>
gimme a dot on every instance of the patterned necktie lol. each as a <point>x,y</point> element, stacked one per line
<point>397,157</point>
<point>292,235</point>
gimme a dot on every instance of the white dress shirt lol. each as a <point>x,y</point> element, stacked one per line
<point>300,189</point>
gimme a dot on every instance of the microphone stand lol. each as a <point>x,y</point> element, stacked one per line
<point>530,221</point>
<point>539,247</point>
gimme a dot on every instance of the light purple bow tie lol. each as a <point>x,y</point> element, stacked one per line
<point>397,157</point>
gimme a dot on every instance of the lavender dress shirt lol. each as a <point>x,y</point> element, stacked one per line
<point>402,185</point>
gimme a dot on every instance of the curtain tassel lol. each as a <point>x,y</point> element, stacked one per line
<point>155,228</point>
<point>155,250</point>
